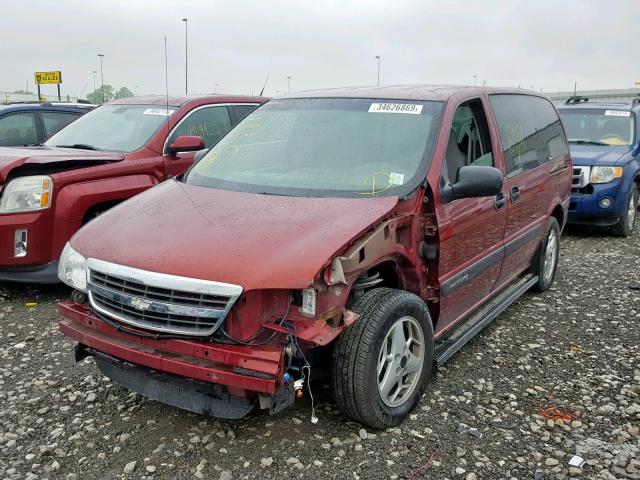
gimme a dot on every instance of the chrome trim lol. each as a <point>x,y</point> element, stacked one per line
<point>164,281</point>
<point>580,177</point>
<point>175,127</point>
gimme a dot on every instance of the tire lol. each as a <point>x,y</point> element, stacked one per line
<point>624,228</point>
<point>361,375</point>
<point>545,263</point>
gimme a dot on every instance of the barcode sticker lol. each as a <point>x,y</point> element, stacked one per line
<point>410,108</point>
<point>158,111</point>
<point>617,113</point>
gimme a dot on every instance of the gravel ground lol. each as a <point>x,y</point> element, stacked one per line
<point>555,376</point>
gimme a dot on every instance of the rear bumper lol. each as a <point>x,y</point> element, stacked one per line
<point>245,371</point>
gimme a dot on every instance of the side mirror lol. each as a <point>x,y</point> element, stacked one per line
<point>186,143</point>
<point>474,181</point>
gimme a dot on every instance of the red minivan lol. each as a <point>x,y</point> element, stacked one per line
<point>363,234</point>
<point>108,155</point>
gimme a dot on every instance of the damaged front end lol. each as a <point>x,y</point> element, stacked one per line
<point>202,346</point>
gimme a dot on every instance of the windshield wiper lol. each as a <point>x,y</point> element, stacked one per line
<point>589,142</point>
<point>80,146</point>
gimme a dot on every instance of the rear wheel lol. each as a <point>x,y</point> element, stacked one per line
<point>382,362</point>
<point>545,263</point>
<point>627,223</point>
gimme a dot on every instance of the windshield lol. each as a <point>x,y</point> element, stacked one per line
<point>597,126</point>
<point>325,147</point>
<point>120,128</point>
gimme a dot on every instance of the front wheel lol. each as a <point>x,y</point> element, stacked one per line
<point>545,263</point>
<point>382,362</point>
<point>624,228</point>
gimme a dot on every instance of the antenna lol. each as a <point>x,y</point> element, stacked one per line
<point>166,82</point>
<point>264,86</point>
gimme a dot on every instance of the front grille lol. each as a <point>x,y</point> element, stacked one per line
<point>159,302</point>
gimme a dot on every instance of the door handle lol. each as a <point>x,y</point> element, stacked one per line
<point>500,201</point>
<point>515,194</point>
<point>560,169</point>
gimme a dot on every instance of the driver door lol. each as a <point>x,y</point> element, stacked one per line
<point>471,229</point>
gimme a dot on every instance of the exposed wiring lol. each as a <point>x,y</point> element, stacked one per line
<point>293,336</point>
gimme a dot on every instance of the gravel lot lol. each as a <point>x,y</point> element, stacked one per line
<point>573,352</point>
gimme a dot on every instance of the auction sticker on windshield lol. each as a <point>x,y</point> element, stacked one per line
<point>411,108</point>
<point>158,111</point>
<point>617,113</point>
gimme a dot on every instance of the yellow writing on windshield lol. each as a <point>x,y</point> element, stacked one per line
<point>374,187</point>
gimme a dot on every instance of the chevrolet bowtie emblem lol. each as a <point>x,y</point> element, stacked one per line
<point>140,304</point>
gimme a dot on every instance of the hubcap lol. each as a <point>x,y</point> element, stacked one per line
<point>400,361</point>
<point>631,211</point>
<point>550,257</point>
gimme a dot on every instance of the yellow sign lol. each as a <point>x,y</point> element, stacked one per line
<point>48,77</point>
<point>638,83</point>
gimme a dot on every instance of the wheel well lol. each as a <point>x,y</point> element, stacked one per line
<point>97,209</point>
<point>558,214</point>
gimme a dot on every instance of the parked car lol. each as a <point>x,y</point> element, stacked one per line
<point>110,154</point>
<point>28,123</point>
<point>605,147</point>
<point>361,233</point>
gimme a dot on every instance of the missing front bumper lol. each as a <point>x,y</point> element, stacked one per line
<point>187,394</point>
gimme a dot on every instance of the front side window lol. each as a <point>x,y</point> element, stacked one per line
<point>469,141</point>
<point>210,123</point>
<point>530,131</point>
<point>120,128</point>
<point>55,121</point>
<point>18,129</point>
<point>598,126</point>
<point>325,147</point>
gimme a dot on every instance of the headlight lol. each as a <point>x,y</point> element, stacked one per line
<point>605,174</point>
<point>26,194</point>
<point>72,269</point>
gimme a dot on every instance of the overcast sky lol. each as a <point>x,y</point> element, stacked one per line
<point>547,44</point>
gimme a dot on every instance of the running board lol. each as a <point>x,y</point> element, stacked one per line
<point>469,328</point>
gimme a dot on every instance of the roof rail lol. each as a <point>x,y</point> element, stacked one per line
<point>576,99</point>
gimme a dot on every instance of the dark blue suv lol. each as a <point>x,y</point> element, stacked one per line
<point>30,123</point>
<point>605,147</point>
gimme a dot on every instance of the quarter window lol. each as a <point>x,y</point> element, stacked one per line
<point>530,131</point>
<point>210,123</point>
<point>54,121</point>
<point>18,129</point>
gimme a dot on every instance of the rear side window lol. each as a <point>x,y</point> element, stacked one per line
<point>18,129</point>
<point>210,123</point>
<point>54,121</point>
<point>241,111</point>
<point>530,131</point>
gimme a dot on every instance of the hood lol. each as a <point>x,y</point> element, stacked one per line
<point>596,155</point>
<point>256,241</point>
<point>11,158</point>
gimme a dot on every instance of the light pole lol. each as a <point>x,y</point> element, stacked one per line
<point>94,79</point>
<point>135,89</point>
<point>288,84</point>
<point>378,58</point>
<point>475,80</point>
<point>215,88</point>
<point>101,75</point>
<point>186,56</point>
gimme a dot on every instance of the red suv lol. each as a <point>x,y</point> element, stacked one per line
<point>365,234</point>
<point>106,156</point>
